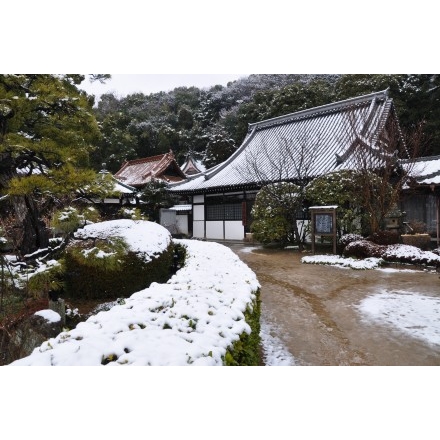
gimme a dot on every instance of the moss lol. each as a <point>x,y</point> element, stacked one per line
<point>120,276</point>
<point>246,351</point>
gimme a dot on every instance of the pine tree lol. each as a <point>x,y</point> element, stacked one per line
<point>47,130</point>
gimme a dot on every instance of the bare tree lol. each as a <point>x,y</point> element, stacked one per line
<point>384,164</point>
<point>284,160</point>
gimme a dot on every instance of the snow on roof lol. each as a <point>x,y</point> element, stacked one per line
<point>181,208</point>
<point>193,166</point>
<point>139,172</point>
<point>191,320</point>
<point>141,236</point>
<point>122,188</point>
<point>425,170</point>
<point>323,136</point>
<point>324,207</point>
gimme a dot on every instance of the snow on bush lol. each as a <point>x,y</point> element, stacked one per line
<point>368,263</point>
<point>349,238</point>
<point>364,249</point>
<point>144,238</point>
<point>410,254</point>
<point>193,319</point>
<point>369,255</point>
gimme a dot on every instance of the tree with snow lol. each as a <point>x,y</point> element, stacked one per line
<point>219,147</point>
<point>275,214</point>
<point>47,132</point>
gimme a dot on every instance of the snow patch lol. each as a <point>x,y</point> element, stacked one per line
<point>49,315</point>
<point>275,353</point>
<point>367,263</point>
<point>411,313</point>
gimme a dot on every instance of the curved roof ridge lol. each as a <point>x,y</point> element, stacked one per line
<point>236,153</point>
<point>147,159</point>
<point>318,110</point>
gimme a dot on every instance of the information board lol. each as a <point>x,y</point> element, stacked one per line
<point>323,223</point>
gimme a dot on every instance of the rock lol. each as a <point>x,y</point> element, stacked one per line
<point>33,331</point>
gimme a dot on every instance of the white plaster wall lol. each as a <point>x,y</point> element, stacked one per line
<point>198,229</point>
<point>234,230</point>
<point>214,230</point>
<point>301,227</point>
<point>199,199</point>
<point>182,224</point>
<point>199,212</point>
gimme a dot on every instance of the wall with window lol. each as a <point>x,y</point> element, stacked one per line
<point>223,216</point>
<point>199,216</point>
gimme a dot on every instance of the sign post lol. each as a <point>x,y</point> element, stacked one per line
<point>323,223</point>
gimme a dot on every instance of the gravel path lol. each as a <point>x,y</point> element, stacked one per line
<point>314,314</point>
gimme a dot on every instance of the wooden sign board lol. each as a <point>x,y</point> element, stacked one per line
<point>323,223</point>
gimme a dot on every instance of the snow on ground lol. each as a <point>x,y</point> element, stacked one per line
<point>275,353</point>
<point>190,320</point>
<point>250,249</point>
<point>367,263</point>
<point>414,314</point>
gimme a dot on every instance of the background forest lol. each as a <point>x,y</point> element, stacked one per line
<point>212,123</point>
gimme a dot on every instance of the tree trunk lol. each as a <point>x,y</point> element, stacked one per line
<point>31,232</point>
<point>35,234</point>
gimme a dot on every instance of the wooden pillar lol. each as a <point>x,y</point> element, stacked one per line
<point>438,218</point>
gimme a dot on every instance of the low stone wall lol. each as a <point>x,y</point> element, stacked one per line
<point>421,241</point>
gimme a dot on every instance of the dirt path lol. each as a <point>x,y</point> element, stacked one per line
<point>313,310</point>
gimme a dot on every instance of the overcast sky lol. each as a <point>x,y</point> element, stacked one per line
<point>124,84</point>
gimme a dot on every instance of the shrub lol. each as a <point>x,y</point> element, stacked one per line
<point>47,283</point>
<point>245,351</point>
<point>274,214</point>
<point>69,219</point>
<point>349,238</point>
<point>364,249</point>
<point>402,253</point>
<point>106,269</point>
<point>132,214</point>
<point>384,237</point>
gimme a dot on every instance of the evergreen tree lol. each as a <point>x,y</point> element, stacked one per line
<point>47,129</point>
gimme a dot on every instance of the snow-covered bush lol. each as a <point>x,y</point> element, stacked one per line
<point>69,219</point>
<point>107,260</point>
<point>66,220</point>
<point>47,282</point>
<point>363,249</point>
<point>349,238</point>
<point>274,214</point>
<point>352,263</point>
<point>403,253</point>
<point>132,214</point>
<point>206,314</point>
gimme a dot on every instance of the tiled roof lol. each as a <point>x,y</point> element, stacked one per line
<point>425,170</point>
<point>307,143</point>
<point>192,166</point>
<point>138,172</point>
